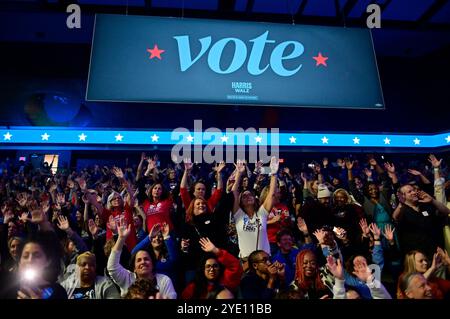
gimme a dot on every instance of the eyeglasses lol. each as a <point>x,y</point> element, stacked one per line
<point>264,260</point>
<point>214,266</point>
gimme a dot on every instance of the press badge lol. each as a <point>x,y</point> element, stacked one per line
<point>425,213</point>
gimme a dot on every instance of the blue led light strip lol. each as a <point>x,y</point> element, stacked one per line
<point>52,135</point>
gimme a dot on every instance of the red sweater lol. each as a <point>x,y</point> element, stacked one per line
<point>116,213</point>
<point>231,277</point>
<point>158,212</point>
<point>212,201</point>
<point>284,222</point>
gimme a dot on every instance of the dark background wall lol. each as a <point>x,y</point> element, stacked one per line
<point>416,92</point>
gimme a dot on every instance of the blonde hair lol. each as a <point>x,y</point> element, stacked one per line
<point>410,261</point>
<point>88,255</point>
<point>408,269</point>
<point>110,198</point>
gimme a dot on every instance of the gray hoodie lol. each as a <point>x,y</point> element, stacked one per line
<point>103,286</point>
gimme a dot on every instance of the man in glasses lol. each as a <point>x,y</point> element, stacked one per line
<point>263,278</point>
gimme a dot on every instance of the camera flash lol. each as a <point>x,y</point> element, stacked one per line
<point>29,274</point>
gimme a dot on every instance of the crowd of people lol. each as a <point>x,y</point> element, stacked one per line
<point>345,228</point>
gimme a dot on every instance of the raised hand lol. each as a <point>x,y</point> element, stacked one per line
<point>364,227</point>
<point>341,233</point>
<point>208,245</point>
<point>123,229</point>
<point>118,172</point>
<point>4,208</point>
<point>187,164</point>
<point>112,225</point>
<point>240,167</point>
<point>335,267</point>
<point>424,197</point>
<point>22,199</point>
<point>8,216</point>
<point>375,231</point>
<point>303,177</point>
<point>349,164</point>
<point>437,261</point>
<point>30,293</point>
<point>373,162</point>
<point>151,164</point>
<point>93,229</point>
<point>38,216</point>
<point>219,167</point>
<point>320,235</point>
<point>156,229</point>
<point>63,223</point>
<point>276,218</point>
<point>362,271</point>
<point>434,161</point>
<point>274,165</point>
<point>444,256</point>
<point>414,172</point>
<point>273,270</point>
<point>85,199</point>
<point>281,269</point>
<point>368,172</point>
<point>60,199</point>
<point>302,225</point>
<point>389,232</point>
<point>389,167</point>
<point>258,167</point>
<point>24,218</point>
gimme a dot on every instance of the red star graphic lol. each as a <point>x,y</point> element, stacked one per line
<point>155,52</point>
<point>320,59</point>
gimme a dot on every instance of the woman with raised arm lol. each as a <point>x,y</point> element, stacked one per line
<point>116,208</point>
<point>142,263</point>
<point>218,276</point>
<point>250,218</point>
<point>164,247</point>
<point>158,207</point>
<point>307,276</point>
<point>200,188</point>
<point>417,262</point>
<point>39,265</point>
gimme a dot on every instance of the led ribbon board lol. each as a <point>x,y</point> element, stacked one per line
<point>16,136</point>
<point>152,59</point>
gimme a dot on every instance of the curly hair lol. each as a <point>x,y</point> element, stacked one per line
<point>142,289</point>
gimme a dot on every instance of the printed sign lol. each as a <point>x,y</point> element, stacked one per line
<point>152,59</point>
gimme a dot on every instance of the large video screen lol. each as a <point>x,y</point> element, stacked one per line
<point>173,60</point>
